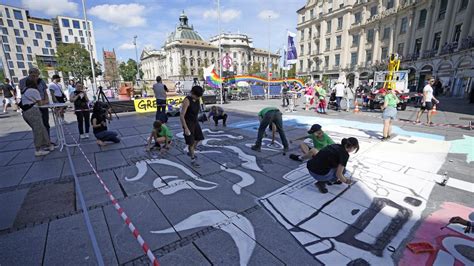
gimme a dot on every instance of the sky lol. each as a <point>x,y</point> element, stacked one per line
<point>117,22</point>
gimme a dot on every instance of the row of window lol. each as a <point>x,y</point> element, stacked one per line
<point>76,24</point>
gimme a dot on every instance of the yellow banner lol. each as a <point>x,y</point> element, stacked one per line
<point>149,104</point>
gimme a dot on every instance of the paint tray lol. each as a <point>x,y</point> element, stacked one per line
<point>420,247</point>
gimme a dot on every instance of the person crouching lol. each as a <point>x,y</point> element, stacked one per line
<point>328,165</point>
<point>161,134</point>
<point>100,115</point>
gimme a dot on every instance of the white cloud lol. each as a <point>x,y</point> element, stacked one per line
<point>52,7</point>
<point>125,15</point>
<point>264,14</point>
<point>226,15</point>
<point>127,46</point>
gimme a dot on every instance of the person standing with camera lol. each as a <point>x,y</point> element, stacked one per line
<point>81,109</point>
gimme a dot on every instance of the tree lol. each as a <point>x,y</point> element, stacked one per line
<point>183,69</point>
<point>254,68</point>
<point>201,73</point>
<point>73,59</point>
<point>128,70</point>
<point>292,71</point>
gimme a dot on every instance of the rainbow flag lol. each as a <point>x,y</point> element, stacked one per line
<point>212,78</point>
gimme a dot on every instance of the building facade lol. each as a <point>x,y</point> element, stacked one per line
<point>74,30</point>
<point>185,53</point>
<point>111,71</point>
<point>348,40</point>
<point>26,41</point>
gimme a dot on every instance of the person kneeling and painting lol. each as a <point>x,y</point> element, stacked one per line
<point>320,140</point>
<point>267,116</point>
<point>162,136</point>
<point>328,166</point>
<point>100,115</point>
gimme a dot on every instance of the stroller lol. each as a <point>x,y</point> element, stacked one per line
<point>332,104</point>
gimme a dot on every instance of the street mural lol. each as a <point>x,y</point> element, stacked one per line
<point>361,224</point>
<point>452,245</point>
<point>240,229</point>
<point>370,219</point>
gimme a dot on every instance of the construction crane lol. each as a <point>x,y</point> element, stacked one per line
<point>393,67</point>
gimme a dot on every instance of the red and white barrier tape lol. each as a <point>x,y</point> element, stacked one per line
<point>121,212</point>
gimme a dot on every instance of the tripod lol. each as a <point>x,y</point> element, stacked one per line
<point>101,97</point>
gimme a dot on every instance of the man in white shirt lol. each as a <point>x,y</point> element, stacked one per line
<point>427,101</point>
<point>339,90</point>
<point>56,89</point>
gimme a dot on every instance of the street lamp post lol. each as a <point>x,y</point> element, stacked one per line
<point>268,61</point>
<point>89,48</point>
<point>136,56</point>
<point>220,47</point>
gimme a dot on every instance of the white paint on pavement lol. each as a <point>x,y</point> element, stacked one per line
<point>245,242</point>
<point>246,181</point>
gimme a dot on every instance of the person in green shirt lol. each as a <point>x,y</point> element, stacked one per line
<point>320,140</point>
<point>161,134</point>
<point>269,116</point>
<point>389,112</point>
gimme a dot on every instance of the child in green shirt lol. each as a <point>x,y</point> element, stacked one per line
<point>161,134</point>
<point>320,140</point>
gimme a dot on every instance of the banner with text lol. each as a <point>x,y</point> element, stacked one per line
<point>149,104</point>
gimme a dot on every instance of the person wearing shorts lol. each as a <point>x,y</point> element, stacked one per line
<point>189,121</point>
<point>427,102</point>
<point>389,112</point>
<point>8,95</point>
<point>320,140</point>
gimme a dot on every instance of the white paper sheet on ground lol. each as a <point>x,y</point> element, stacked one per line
<point>244,241</point>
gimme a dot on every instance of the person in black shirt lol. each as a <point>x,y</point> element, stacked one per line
<point>81,108</point>
<point>9,95</point>
<point>189,120</point>
<point>328,165</point>
<point>99,124</point>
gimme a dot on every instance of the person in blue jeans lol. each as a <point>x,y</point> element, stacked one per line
<point>99,125</point>
<point>328,165</point>
<point>270,116</point>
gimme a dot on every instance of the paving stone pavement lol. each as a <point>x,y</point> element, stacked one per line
<point>239,207</point>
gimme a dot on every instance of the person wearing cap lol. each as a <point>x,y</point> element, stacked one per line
<point>320,140</point>
<point>267,116</point>
<point>389,114</point>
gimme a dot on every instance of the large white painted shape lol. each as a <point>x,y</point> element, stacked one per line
<point>244,241</point>
<point>143,164</point>
<point>176,185</point>
<point>246,181</point>
<point>250,161</point>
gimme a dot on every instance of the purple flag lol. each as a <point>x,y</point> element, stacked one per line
<point>291,52</point>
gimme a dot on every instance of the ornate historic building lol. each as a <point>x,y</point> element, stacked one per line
<point>348,40</point>
<point>185,53</point>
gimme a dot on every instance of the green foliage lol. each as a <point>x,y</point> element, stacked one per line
<point>128,70</point>
<point>254,68</point>
<point>292,71</point>
<point>42,68</point>
<point>183,69</point>
<point>2,74</point>
<point>74,60</point>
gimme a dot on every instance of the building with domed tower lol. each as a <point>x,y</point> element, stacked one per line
<point>185,53</point>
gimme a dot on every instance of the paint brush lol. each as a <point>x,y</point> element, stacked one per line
<point>446,225</point>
